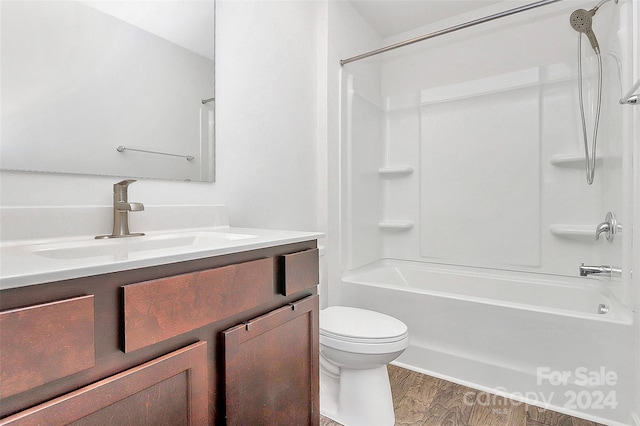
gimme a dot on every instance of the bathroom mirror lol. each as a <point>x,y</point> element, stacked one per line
<point>115,88</point>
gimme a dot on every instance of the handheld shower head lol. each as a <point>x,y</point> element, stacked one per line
<point>581,21</point>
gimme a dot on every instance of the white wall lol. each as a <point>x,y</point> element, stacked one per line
<point>266,130</point>
<point>266,85</point>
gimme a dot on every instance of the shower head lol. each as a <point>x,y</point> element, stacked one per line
<point>581,21</point>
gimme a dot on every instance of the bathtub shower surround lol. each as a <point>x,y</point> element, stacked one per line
<point>465,212</point>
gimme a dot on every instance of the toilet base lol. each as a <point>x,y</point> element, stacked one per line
<point>357,397</point>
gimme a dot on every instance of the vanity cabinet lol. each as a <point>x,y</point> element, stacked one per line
<point>231,339</point>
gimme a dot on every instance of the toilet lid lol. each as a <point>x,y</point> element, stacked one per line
<point>353,323</point>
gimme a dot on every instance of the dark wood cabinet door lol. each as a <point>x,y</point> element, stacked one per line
<point>170,390</point>
<point>271,368</point>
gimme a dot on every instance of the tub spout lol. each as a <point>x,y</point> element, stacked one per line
<point>603,270</point>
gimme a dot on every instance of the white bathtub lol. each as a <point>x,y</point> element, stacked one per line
<point>533,337</point>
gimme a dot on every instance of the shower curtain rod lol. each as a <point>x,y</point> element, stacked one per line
<point>449,30</point>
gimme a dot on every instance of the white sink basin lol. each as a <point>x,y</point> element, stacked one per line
<point>125,247</point>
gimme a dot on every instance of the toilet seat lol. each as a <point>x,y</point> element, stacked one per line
<point>359,330</point>
<point>361,340</point>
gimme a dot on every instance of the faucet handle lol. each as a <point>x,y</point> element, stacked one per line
<point>122,184</point>
<point>120,190</point>
<point>609,226</point>
<point>604,227</point>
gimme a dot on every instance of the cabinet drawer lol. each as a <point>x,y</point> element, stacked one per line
<point>160,309</point>
<point>299,271</point>
<point>45,342</point>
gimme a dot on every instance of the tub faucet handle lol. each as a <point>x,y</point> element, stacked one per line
<point>609,226</point>
<point>603,227</point>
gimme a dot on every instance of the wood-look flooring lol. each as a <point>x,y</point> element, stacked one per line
<point>423,400</point>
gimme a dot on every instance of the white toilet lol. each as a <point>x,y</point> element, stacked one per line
<point>355,347</point>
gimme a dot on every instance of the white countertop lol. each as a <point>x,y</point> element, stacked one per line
<point>28,262</point>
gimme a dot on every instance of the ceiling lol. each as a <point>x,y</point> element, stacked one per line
<point>187,23</point>
<point>391,17</point>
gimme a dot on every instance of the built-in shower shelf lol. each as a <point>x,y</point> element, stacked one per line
<point>395,224</point>
<point>574,161</point>
<point>576,232</point>
<point>395,171</point>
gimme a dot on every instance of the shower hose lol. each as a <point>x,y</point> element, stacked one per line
<point>590,158</point>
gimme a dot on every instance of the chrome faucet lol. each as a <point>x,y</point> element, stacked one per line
<point>600,270</point>
<point>121,209</point>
